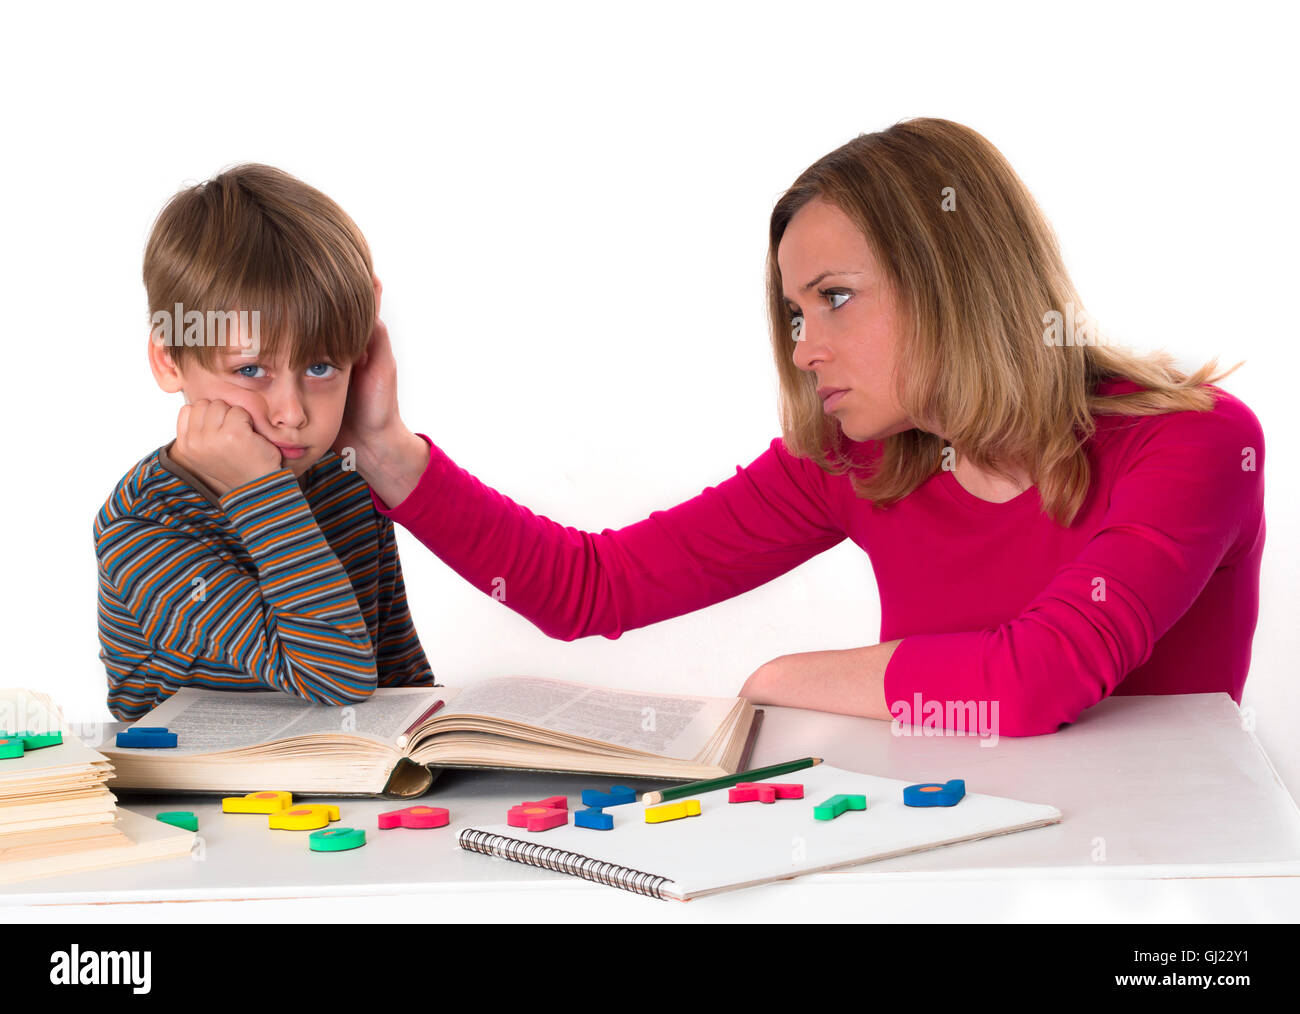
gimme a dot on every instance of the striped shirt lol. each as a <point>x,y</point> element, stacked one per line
<point>273,586</point>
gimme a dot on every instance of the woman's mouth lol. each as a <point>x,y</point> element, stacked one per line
<point>832,399</point>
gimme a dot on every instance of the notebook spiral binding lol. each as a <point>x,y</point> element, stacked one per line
<point>573,863</point>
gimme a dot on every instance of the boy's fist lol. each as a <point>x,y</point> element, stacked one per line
<point>217,442</point>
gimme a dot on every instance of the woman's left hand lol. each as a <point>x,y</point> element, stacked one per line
<point>849,681</point>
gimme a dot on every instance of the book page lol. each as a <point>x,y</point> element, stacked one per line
<point>133,838</point>
<point>212,721</point>
<point>667,726</point>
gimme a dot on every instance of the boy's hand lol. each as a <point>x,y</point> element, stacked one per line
<point>217,442</point>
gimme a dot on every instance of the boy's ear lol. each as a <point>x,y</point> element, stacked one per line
<point>164,368</point>
<point>379,291</point>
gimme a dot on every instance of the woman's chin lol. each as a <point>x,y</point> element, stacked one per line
<point>852,428</point>
<point>861,431</point>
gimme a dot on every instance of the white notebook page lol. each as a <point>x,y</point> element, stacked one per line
<point>736,844</point>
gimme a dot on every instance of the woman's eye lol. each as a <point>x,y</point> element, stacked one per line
<point>243,372</point>
<point>832,295</point>
<point>321,371</point>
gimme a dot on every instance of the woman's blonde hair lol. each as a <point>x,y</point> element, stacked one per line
<point>978,274</point>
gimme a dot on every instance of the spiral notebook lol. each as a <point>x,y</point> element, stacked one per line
<point>734,845</point>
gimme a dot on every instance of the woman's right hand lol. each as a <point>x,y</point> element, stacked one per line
<point>371,410</point>
<point>388,455</point>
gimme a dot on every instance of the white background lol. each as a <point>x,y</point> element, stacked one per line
<point>568,205</point>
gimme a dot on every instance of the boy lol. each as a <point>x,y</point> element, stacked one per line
<point>246,555</point>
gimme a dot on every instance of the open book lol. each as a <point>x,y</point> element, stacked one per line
<point>245,741</point>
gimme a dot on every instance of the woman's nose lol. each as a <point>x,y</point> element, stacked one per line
<point>808,348</point>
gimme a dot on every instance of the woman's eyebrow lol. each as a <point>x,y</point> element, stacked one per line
<point>827,274</point>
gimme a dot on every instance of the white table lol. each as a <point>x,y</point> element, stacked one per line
<point>1171,811</point>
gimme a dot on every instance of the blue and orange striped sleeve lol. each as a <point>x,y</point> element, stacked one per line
<point>197,618</point>
<point>399,658</point>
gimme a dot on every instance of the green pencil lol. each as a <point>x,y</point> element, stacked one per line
<point>678,791</point>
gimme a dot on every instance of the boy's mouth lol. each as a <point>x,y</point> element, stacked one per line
<point>291,450</point>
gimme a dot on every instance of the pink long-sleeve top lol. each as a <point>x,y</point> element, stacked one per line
<point>1153,589</point>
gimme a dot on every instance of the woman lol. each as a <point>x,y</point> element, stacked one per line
<point>1050,520</point>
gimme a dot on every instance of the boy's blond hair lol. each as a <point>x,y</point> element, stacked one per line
<point>255,238</point>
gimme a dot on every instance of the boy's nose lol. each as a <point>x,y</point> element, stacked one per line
<point>285,409</point>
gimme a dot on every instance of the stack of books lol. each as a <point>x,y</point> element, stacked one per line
<point>57,814</point>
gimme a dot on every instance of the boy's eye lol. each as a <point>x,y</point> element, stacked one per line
<point>243,372</point>
<point>321,371</point>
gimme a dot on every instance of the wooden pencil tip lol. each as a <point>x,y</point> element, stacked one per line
<point>816,761</point>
